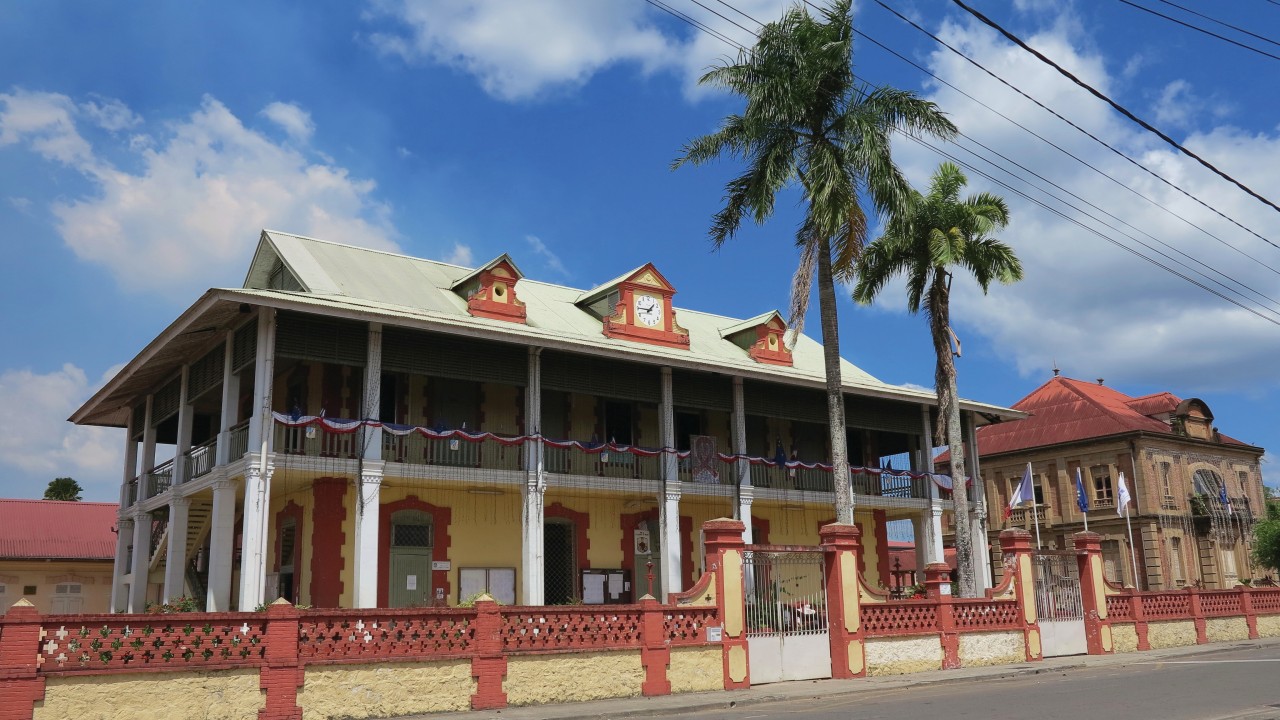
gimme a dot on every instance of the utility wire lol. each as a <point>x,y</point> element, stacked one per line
<point>1199,29</point>
<point>698,25</point>
<point>1115,105</point>
<point>1062,150</point>
<point>1085,132</point>
<point>1219,22</point>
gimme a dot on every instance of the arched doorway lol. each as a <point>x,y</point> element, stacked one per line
<point>409,579</point>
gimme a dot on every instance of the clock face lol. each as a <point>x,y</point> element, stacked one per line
<point>648,310</point>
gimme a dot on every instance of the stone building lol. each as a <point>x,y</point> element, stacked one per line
<point>1196,490</point>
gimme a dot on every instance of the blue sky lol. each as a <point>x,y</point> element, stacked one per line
<point>142,147</point>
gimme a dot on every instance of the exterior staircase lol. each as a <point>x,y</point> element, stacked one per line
<point>199,521</point>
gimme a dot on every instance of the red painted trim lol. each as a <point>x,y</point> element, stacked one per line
<point>669,335</point>
<point>686,565</point>
<point>581,541</point>
<point>291,510</point>
<point>440,519</point>
<point>761,524</point>
<point>882,545</point>
<point>328,540</point>
<point>481,303</point>
<point>759,350</point>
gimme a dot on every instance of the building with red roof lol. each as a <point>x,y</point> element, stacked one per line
<point>57,554</point>
<point>1195,490</point>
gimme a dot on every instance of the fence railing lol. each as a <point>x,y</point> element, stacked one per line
<point>193,641</point>
<point>238,441</point>
<point>200,459</point>
<point>157,479</point>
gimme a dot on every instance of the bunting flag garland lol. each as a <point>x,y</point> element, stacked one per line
<point>345,427</point>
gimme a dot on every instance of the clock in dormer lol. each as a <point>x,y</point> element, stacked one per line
<point>637,306</point>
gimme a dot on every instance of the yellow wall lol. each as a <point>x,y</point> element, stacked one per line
<point>573,677</point>
<point>386,689</point>
<point>94,578</point>
<point>301,494</point>
<point>699,510</point>
<point>208,695</point>
<point>604,534</point>
<point>696,669</point>
<point>791,525</point>
<point>907,655</point>
<point>1171,634</point>
<point>501,404</point>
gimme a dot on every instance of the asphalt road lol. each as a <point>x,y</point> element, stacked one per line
<point>1237,683</point>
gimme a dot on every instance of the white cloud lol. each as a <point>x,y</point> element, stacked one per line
<point>292,119</point>
<point>913,386</point>
<point>519,51</point>
<point>1098,310</point>
<point>37,443</point>
<point>459,255</point>
<point>21,204</point>
<point>110,114</point>
<point>540,248</point>
<point>404,152</point>
<point>204,190</point>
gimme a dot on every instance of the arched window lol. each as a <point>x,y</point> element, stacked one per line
<point>1207,482</point>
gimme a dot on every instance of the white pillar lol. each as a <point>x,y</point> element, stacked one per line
<point>373,395</point>
<point>222,532</point>
<point>130,465</point>
<point>183,443</point>
<point>746,496</point>
<point>920,530</point>
<point>230,402</point>
<point>261,422</point>
<point>739,419</point>
<point>366,549</point>
<point>978,523</point>
<point>532,518</point>
<point>148,451</point>
<point>124,535</point>
<point>175,563</point>
<point>141,562</point>
<point>672,555</point>
<point>667,430</point>
<point>936,552</point>
<point>254,545</point>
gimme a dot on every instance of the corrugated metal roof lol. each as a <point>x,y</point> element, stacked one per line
<point>57,529</point>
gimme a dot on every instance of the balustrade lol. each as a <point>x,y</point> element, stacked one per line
<point>157,479</point>
<point>200,459</point>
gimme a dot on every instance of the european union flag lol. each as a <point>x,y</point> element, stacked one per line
<point>1082,500</point>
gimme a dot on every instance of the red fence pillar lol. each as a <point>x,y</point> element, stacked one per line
<point>936,577</point>
<point>1139,610</point>
<point>281,674</point>
<point>1093,594</point>
<point>1246,606</point>
<point>655,653</point>
<point>723,543</point>
<point>842,546</point>
<point>20,686</point>
<point>1197,615</point>
<point>1015,544</point>
<point>488,664</point>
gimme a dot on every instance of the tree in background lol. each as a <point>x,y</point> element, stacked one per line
<point>1266,539</point>
<point>807,124</point>
<point>63,488</point>
<point>927,236</point>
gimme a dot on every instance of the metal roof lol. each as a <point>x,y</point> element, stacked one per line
<point>54,529</point>
<point>379,286</point>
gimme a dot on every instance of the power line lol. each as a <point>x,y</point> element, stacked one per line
<point>1219,22</point>
<point>1083,131</point>
<point>1063,150</point>
<point>1115,105</point>
<point>1198,29</point>
<point>696,24</point>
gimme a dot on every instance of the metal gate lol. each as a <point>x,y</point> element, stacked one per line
<point>1058,605</point>
<point>787,615</point>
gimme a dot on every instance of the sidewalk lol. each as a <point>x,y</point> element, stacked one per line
<point>808,689</point>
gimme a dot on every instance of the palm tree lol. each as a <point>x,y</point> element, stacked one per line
<point>63,488</point>
<point>807,123</point>
<point>926,237</point>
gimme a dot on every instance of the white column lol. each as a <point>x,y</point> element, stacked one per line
<point>175,563</point>
<point>141,562</point>
<point>222,532</point>
<point>366,550</point>
<point>746,496</point>
<point>261,423</point>
<point>742,467</point>
<point>532,518</point>
<point>667,430</point>
<point>230,402</point>
<point>183,442</point>
<point>672,555</point>
<point>373,395</point>
<point>936,552</point>
<point>978,523</point>
<point>920,529</point>
<point>254,545</point>
<point>124,535</point>
<point>148,459</point>
<point>130,463</point>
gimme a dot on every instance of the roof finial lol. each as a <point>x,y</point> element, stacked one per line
<point>1055,367</point>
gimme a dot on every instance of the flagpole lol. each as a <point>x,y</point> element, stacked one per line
<point>1035,505</point>
<point>1133,556</point>
<point>1079,496</point>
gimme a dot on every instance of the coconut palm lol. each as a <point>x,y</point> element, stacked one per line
<point>924,239</point>
<point>63,488</point>
<point>808,124</point>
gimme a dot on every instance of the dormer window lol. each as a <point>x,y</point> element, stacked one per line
<point>763,337</point>
<point>637,306</point>
<point>490,291</point>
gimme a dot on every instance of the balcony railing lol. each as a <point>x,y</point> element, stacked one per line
<point>238,441</point>
<point>200,459</point>
<point>157,479</point>
<point>131,493</point>
<point>415,449</point>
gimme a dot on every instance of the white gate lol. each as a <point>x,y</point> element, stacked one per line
<point>787,634</point>
<point>1058,604</point>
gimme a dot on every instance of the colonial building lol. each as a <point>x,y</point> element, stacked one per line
<point>57,554</point>
<point>358,428</point>
<point>1196,491</point>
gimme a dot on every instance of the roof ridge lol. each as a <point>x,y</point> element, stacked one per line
<point>47,500</point>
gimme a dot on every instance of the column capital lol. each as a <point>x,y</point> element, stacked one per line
<point>222,484</point>
<point>746,495</point>
<point>671,495</point>
<point>177,501</point>
<point>371,474</point>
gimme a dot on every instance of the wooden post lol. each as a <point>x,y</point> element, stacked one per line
<point>1093,593</point>
<point>723,542</point>
<point>936,577</point>
<point>1015,545</point>
<point>655,653</point>
<point>488,664</point>
<point>281,674</point>
<point>20,685</point>
<point>842,546</point>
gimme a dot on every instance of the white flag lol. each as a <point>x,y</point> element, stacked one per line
<point>1122,497</point>
<point>1025,493</point>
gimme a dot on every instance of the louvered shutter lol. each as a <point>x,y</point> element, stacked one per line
<point>205,373</point>
<point>452,356</point>
<point>320,339</point>
<point>702,390</point>
<point>166,401</point>
<point>602,377</point>
<point>781,401</point>
<point>877,414</point>
<point>244,346</point>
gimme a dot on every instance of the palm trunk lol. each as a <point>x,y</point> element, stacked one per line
<point>944,379</point>
<point>835,395</point>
